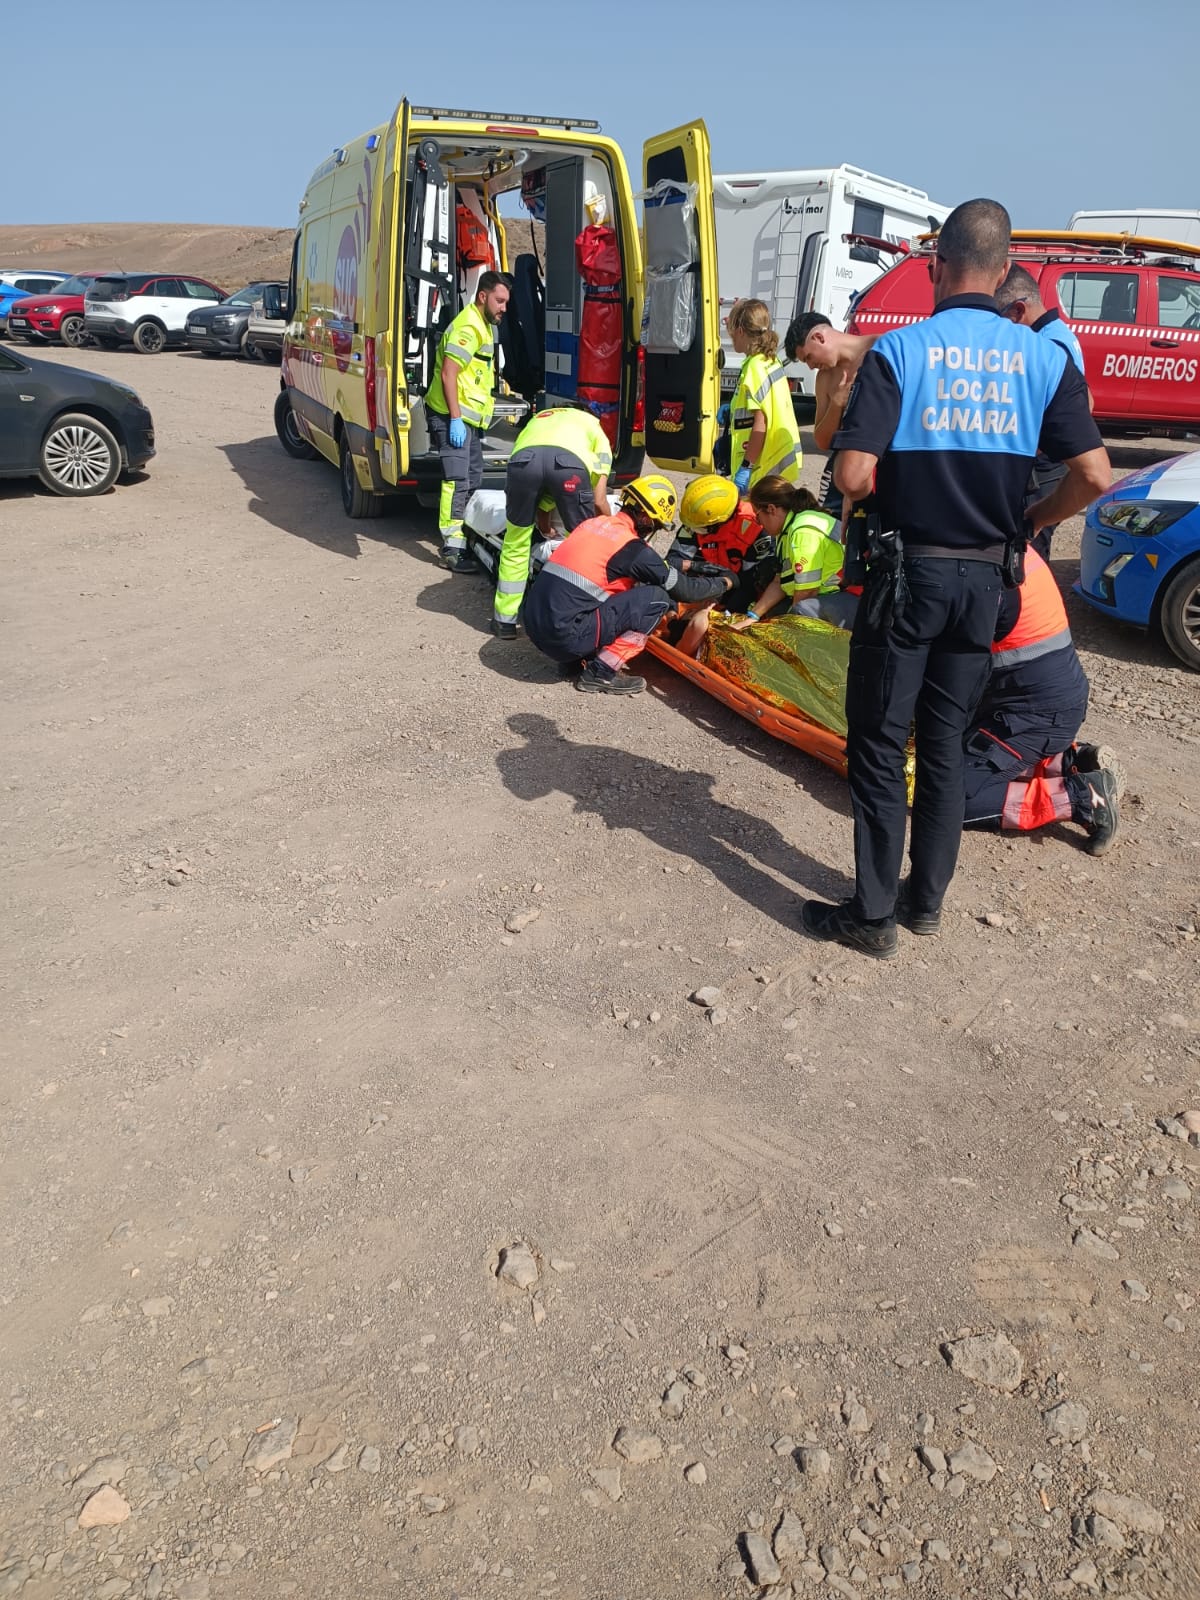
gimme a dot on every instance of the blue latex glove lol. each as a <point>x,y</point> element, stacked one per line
<point>723,417</point>
<point>741,479</point>
<point>458,433</point>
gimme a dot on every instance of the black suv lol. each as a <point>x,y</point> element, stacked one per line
<point>220,330</point>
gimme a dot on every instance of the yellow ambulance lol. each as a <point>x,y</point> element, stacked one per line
<point>396,228</point>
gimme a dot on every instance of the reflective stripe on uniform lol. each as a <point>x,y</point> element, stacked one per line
<point>1031,652</point>
<point>597,591</point>
<point>469,414</point>
<point>460,352</point>
<point>764,388</point>
<point>510,586</point>
<point>796,453</point>
<point>672,578</point>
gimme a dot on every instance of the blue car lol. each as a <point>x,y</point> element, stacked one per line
<point>1140,558</point>
<point>17,284</point>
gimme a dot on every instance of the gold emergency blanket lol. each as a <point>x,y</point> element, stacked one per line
<point>796,664</point>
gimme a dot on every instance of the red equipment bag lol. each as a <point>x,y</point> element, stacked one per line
<point>601,333</point>
<point>474,245</point>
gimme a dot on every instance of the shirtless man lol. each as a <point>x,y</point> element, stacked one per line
<point>835,358</point>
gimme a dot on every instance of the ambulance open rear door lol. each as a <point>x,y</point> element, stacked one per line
<point>681,331</point>
<point>388,403</point>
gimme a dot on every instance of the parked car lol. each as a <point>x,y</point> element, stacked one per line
<point>74,430</point>
<point>220,330</point>
<point>1140,556</point>
<point>16,284</point>
<point>148,309</point>
<point>264,333</point>
<point>1134,305</point>
<point>53,316</point>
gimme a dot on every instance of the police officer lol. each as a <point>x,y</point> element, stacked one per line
<point>945,419</point>
<point>459,409</point>
<point>562,458</point>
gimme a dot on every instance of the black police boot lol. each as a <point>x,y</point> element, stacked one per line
<point>839,925</point>
<point>921,920</point>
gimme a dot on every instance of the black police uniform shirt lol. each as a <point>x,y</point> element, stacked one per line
<point>956,408</point>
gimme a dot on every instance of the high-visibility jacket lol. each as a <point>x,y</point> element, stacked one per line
<point>808,557</point>
<point>762,386</point>
<point>577,432</point>
<point>732,544</point>
<point>582,558</point>
<point>470,343</point>
<point>1035,667</point>
<point>1041,626</point>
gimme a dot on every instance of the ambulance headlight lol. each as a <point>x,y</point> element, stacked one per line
<point>1141,518</point>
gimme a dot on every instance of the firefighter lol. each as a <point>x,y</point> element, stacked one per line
<point>604,589</point>
<point>1020,300</point>
<point>458,408</point>
<point>764,436</point>
<point>944,421</point>
<point>809,556</point>
<point>835,357</point>
<point>719,529</point>
<point>561,458</point>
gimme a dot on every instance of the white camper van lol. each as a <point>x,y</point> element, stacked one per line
<point>782,237</point>
<point>1181,227</point>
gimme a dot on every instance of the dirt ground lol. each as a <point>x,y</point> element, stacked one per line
<point>280,1085</point>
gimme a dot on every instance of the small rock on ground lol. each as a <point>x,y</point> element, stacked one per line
<point>987,1358</point>
<point>760,1561</point>
<point>104,1509</point>
<point>637,1446</point>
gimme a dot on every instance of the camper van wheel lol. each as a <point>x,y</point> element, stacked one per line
<point>290,437</point>
<point>357,501</point>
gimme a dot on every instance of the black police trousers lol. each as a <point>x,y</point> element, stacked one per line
<point>929,666</point>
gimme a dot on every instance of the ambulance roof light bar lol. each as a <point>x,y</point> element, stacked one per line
<point>506,117</point>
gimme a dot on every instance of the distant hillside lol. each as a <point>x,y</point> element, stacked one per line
<point>229,256</point>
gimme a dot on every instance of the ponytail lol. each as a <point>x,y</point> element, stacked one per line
<point>787,496</point>
<point>753,318</point>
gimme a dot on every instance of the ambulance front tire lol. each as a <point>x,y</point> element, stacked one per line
<point>290,437</point>
<point>357,502</point>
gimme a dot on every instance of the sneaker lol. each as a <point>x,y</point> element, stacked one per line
<point>592,682</point>
<point>504,629</point>
<point>923,923</point>
<point>1106,811</point>
<point>838,923</point>
<point>1087,758</point>
<point>460,561</point>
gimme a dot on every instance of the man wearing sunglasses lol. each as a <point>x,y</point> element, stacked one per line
<point>1019,299</point>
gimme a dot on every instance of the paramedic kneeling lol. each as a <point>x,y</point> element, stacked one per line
<point>810,558</point>
<point>459,409</point>
<point>604,589</point>
<point>951,410</point>
<point>1023,769</point>
<point>561,458</point>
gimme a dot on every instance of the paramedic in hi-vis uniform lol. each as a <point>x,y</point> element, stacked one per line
<point>561,459</point>
<point>944,421</point>
<point>764,438</point>
<point>459,409</point>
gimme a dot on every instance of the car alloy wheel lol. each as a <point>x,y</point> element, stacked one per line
<point>149,338</point>
<point>71,331</point>
<point>79,457</point>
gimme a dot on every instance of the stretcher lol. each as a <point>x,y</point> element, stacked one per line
<point>763,673</point>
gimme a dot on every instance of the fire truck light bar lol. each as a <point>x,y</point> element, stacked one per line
<point>505,116</point>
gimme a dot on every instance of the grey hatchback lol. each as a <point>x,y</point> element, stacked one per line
<point>74,430</point>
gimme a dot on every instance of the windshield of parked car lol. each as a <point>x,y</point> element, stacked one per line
<point>71,286</point>
<point>246,296</point>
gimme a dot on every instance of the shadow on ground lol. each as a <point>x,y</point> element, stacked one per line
<point>673,808</point>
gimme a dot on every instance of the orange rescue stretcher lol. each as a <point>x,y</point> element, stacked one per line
<point>765,672</point>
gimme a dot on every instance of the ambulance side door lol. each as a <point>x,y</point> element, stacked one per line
<point>1166,385</point>
<point>1101,304</point>
<point>681,332</point>
<point>385,355</point>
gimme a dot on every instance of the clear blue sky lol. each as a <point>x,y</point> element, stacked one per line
<point>131,112</point>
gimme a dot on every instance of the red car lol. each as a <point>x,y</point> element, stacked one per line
<point>56,316</point>
<point>1134,305</point>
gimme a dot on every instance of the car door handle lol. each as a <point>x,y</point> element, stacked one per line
<point>29,397</point>
<point>1164,344</point>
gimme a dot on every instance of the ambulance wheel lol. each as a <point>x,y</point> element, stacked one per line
<point>290,437</point>
<point>357,501</point>
<point>1180,615</point>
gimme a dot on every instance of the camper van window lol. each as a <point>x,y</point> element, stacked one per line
<point>868,219</point>
<point>808,273</point>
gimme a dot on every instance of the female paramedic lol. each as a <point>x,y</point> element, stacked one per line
<point>810,559</point>
<point>764,435</point>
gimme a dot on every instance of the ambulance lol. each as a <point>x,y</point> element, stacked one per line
<point>1133,302</point>
<point>395,230</point>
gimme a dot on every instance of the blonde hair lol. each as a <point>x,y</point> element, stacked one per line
<point>752,318</point>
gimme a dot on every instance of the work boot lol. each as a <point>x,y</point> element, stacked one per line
<point>504,629</point>
<point>921,921</point>
<point>592,681</point>
<point>839,924</point>
<point>1087,758</point>
<point>1105,811</point>
<point>460,561</point>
